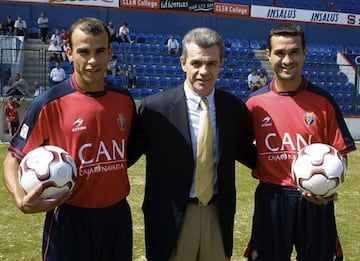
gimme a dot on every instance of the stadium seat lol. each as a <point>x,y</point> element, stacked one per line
<point>145,92</point>
<point>141,81</point>
<point>147,59</point>
<point>33,32</point>
<point>150,38</point>
<point>163,82</point>
<point>139,69</point>
<point>134,48</point>
<point>227,73</point>
<point>159,39</point>
<point>152,82</point>
<point>165,60</point>
<point>234,84</point>
<point>141,38</point>
<point>222,83</point>
<point>135,93</point>
<point>179,72</point>
<point>153,48</point>
<point>156,60</point>
<point>169,71</point>
<point>149,70</point>
<point>159,70</point>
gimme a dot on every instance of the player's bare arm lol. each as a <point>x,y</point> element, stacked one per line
<point>31,202</point>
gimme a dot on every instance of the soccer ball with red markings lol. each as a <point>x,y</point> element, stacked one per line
<point>319,169</point>
<point>49,165</point>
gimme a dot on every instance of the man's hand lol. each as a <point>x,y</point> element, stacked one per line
<point>319,200</point>
<point>33,203</point>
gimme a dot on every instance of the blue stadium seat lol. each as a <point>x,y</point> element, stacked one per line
<point>234,84</point>
<point>152,82</point>
<point>135,93</point>
<point>169,71</point>
<point>139,69</point>
<point>141,81</point>
<point>222,83</point>
<point>156,59</point>
<point>149,70</point>
<point>153,48</point>
<point>227,73</point>
<point>163,82</point>
<point>134,48</point>
<point>147,59</point>
<point>159,39</point>
<point>159,70</point>
<point>145,92</point>
<point>141,38</point>
<point>165,60</point>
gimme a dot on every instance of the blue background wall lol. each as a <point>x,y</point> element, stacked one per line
<point>175,23</point>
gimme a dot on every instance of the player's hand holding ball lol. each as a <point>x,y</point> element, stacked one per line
<point>319,171</point>
<point>47,175</point>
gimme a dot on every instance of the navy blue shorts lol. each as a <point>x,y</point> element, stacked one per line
<point>75,234</point>
<point>283,219</point>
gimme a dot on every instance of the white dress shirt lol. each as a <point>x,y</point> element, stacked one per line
<point>195,112</point>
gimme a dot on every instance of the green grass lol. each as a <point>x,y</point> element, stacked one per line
<point>20,234</point>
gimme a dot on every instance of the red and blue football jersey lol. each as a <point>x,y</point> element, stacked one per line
<point>93,128</point>
<point>284,122</point>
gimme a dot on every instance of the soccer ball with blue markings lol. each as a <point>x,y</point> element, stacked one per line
<point>50,165</point>
<point>319,169</point>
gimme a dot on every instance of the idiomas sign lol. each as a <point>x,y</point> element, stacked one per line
<point>187,5</point>
<point>302,15</point>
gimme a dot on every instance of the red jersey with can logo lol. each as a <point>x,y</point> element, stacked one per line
<point>93,128</point>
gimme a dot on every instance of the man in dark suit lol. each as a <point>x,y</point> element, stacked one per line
<point>179,226</point>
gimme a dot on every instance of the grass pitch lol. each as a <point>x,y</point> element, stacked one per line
<point>20,234</point>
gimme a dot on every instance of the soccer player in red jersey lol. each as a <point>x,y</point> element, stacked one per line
<point>287,115</point>
<point>90,118</point>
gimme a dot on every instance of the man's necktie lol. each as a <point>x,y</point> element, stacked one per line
<point>204,182</point>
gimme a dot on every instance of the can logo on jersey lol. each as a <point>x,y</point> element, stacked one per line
<point>122,121</point>
<point>309,118</point>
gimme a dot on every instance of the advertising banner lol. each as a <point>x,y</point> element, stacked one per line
<point>231,9</point>
<point>189,5</point>
<point>291,14</point>
<point>102,3</point>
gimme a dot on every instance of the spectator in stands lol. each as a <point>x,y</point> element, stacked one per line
<point>262,79</point>
<point>9,25</point>
<point>124,33</point>
<point>113,32</point>
<point>112,64</point>
<point>20,27</point>
<point>43,23</point>
<point>19,87</point>
<point>2,29</point>
<point>64,43</point>
<point>12,115</point>
<point>7,87</point>
<point>56,36</point>
<point>57,74</point>
<point>253,80</point>
<point>130,74</point>
<point>38,89</point>
<point>55,50</point>
<point>173,46</point>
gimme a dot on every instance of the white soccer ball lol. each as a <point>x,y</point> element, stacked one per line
<point>49,165</point>
<point>319,169</point>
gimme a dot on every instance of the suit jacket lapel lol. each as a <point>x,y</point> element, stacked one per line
<point>178,115</point>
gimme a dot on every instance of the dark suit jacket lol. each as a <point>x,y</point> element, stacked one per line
<point>162,133</point>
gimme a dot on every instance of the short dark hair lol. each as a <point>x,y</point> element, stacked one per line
<point>287,29</point>
<point>89,25</point>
